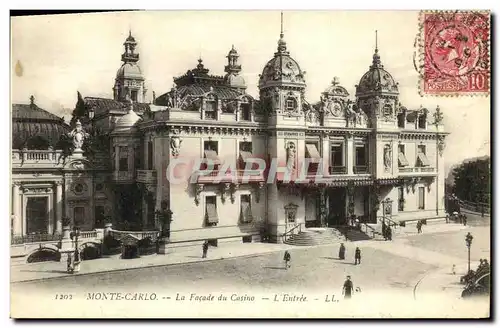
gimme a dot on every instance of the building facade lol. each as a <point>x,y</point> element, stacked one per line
<point>196,150</point>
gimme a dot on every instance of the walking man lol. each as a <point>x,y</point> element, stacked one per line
<point>357,256</point>
<point>419,227</point>
<point>205,249</point>
<point>287,259</point>
<point>465,220</point>
<point>389,233</point>
<point>348,288</point>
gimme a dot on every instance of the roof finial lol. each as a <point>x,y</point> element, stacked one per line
<point>376,41</point>
<point>32,100</point>
<point>281,33</point>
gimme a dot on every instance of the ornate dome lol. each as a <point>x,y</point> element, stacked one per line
<point>235,81</point>
<point>377,79</point>
<point>281,68</point>
<point>33,126</point>
<point>129,70</point>
<point>127,122</point>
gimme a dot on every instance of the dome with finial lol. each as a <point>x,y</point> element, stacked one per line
<point>127,122</point>
<point>377,79</point>
<point>282,67</point>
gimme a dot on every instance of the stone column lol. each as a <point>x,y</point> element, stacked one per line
<point>17,224</point>
<point>50,228</point>
<point>350,154</point>
<point>117,158</point>
<point>59,206</point>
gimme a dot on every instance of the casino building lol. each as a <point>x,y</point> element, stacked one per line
<point>371,158</point>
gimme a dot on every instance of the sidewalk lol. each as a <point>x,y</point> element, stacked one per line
<point>47,270</point>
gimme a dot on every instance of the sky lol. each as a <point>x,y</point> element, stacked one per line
<point>63,54</point>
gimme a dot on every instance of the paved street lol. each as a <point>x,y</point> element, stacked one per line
<point>388,268</point>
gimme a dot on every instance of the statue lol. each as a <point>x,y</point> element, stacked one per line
<point>290,153</point>
<point>78,135</point>
<point>387,157</point>
<point>170,101</point>
<point>175,144</point>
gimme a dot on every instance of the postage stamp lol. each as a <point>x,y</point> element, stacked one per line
<point>455,53</point>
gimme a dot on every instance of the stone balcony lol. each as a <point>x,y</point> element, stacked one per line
<point>146,176</point>
<point>123,176</point>
<point>238,176</point>
<point>418,171</point>
<point>36,158</point>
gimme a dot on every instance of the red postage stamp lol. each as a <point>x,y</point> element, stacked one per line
<point>455,50</point>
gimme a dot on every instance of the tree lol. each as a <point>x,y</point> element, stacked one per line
<point>472,181</point>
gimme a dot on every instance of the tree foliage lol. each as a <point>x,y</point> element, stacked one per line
<point>472,181</point>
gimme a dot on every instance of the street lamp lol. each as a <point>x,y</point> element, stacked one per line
<point>76,260</point>
<point>468,242</point>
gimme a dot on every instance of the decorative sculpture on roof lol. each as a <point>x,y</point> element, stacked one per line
<point>387,158</point>
<point>78,135</point>
<point>438,116</point>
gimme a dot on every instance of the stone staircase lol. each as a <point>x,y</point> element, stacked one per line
<point>315,236</point>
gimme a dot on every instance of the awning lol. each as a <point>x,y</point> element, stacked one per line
<point>424,161</point>
<point>212,156</point>
<point>312,151</point>
<point>246,212</point>
<point>211,214</point>
<point>402,160</point>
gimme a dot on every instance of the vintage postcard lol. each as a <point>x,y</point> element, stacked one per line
<point>251,164</point>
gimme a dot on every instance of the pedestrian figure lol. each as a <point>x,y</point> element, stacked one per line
<point>357,256</point>
<point>205,249</point>
<point>465,220</point>
<point>447,218</point>
<point>389,233</point>
<point>384,230</point>
<point>453,271</point>
<point>348,288</point>
<point>419,227</point>
<point>342,251</point>
<point>287,259</point>
<point>69,264</point>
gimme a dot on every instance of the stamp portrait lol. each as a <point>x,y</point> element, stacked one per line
<point>454,47</point>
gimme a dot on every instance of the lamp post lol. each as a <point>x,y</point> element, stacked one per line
<point>76,259</point>
<point>468,242</point>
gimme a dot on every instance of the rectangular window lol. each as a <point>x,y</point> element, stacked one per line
<point>422,121</point>
<point>245,152</point>
<point>245,209</point>
<point>79,215</point>
<point>337,158</point>
<point>422,159</point>
<point>150,155</point>
<point>314,158</point>
<point>123,162</point>
<point>402,161</point>
<point>36,215</point>
<point>245,112</point>
<point>211,217</point>
<point>211,151</point>
<point>133,95</point>
<point>290,104</point>
<point>421,198</point>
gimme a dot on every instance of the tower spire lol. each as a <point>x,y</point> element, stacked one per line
<point>281,33</point>
<point>376,57</point>
<point>281,42</point>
